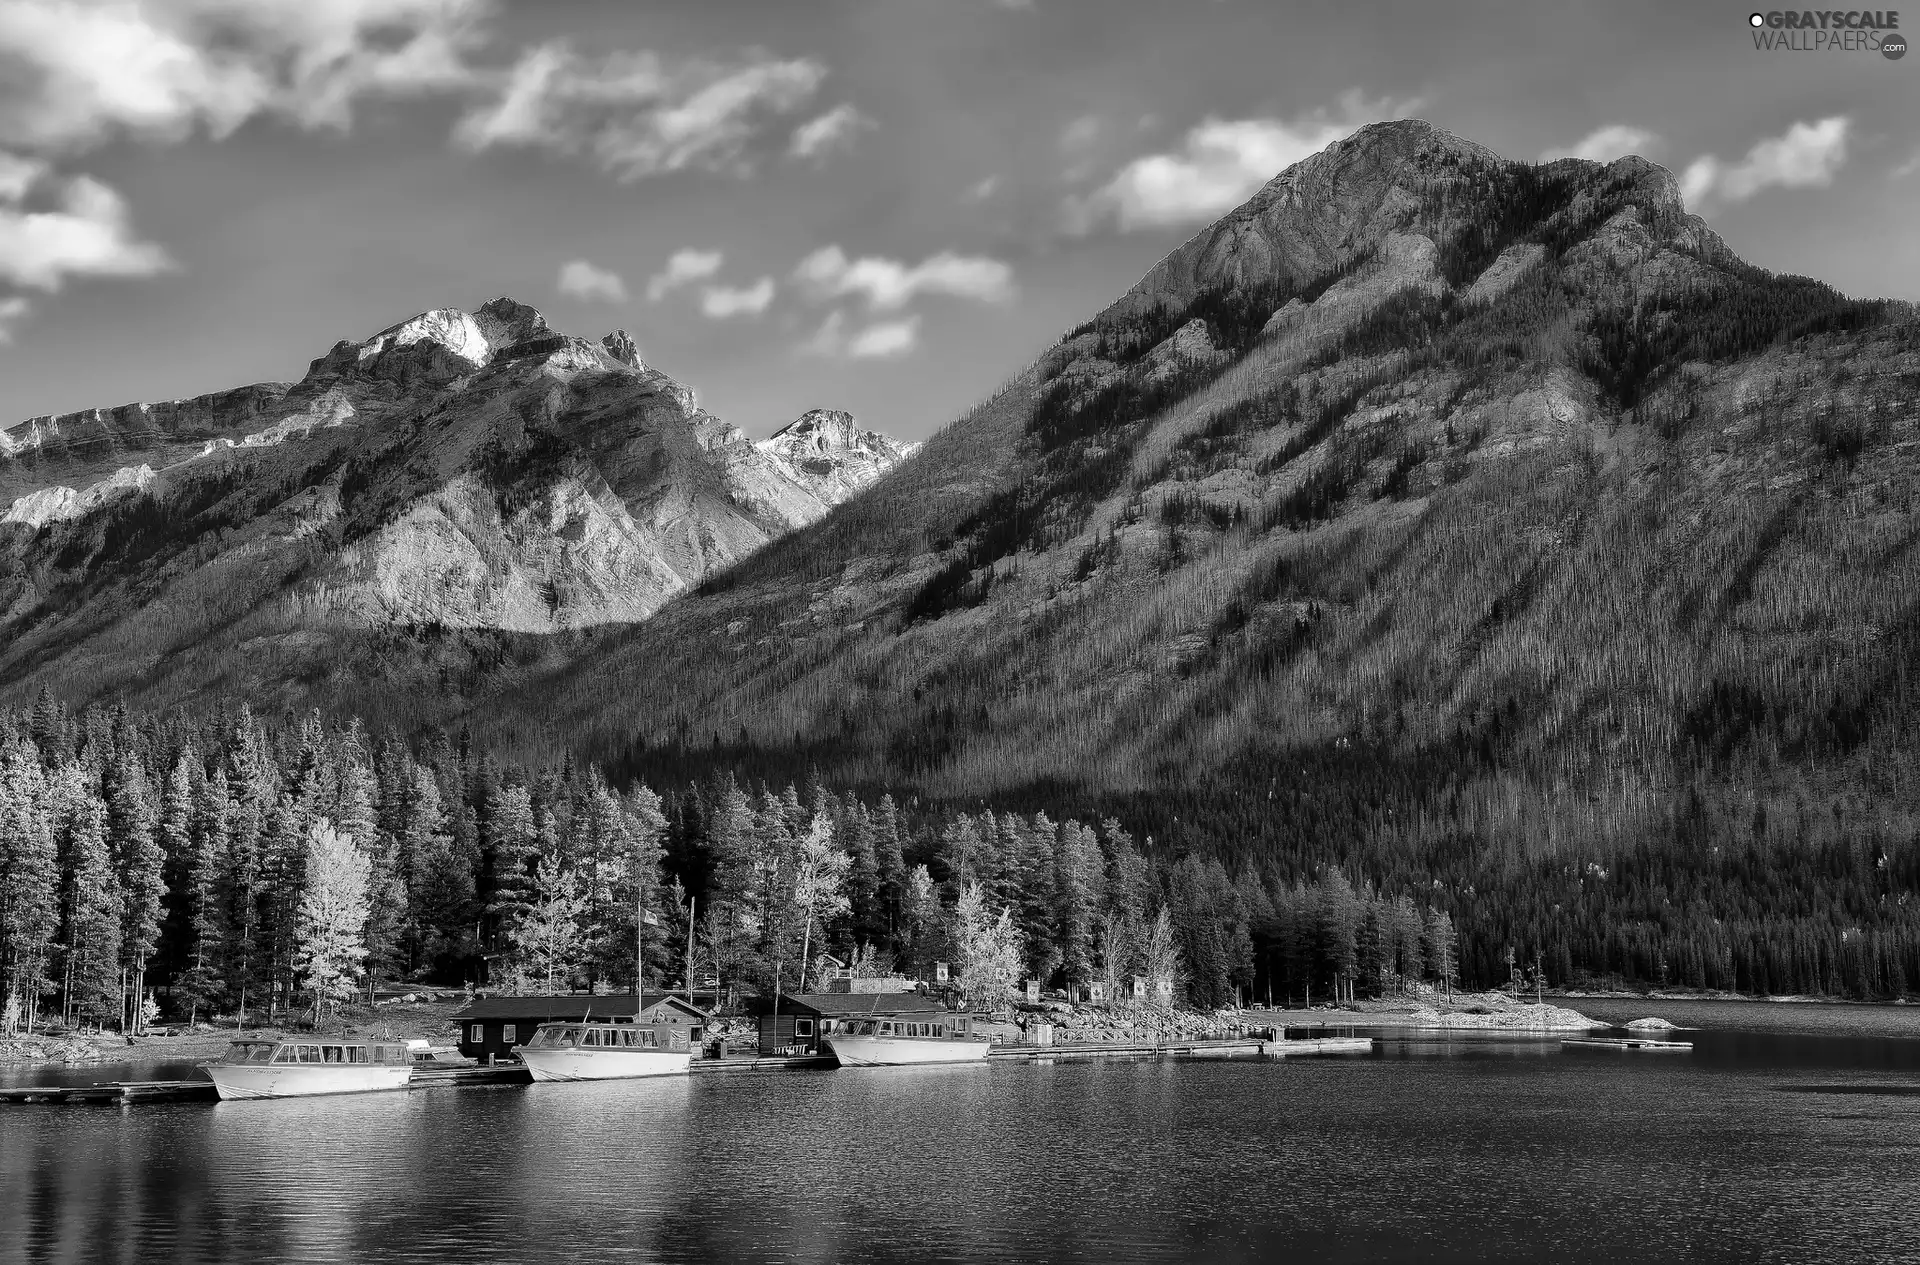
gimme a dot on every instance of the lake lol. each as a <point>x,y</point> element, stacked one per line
<point>1771,1142</point>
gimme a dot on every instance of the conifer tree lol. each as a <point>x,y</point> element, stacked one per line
<point>91,901</point>
<point>29,880</point>
<point>139,862</point>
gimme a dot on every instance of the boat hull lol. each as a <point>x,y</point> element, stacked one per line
<point>305,1080</point>
<point>864,1051</point>
<point>574,1064</point>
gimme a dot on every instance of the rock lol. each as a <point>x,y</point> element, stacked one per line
<point>619,345</point>
<point>1651,1025</point>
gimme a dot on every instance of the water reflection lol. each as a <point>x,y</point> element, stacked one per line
<point>1454,1146</point>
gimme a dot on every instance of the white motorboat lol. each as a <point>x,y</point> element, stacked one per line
<point>298,1067</point>
<point>605,1051</point>
<point>892,1042</point>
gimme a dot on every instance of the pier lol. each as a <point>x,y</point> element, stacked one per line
<point>1198,1047</point>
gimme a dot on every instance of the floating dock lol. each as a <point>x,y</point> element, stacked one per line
<point>1200,1048</point>
<point>1624,1043</point>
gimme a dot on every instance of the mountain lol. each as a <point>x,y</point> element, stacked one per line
<point>457,471</point>
<point>826,448</point>
<point>1427,501</point>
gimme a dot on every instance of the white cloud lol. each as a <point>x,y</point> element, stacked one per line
<point>983,189</point>
<point>721,302</point>
<point>13,310</point>
<point>83,230</point>
<point>682,267</point>
<point>834,130</point>
<point>638,114</point>
<point>1219,165</point>
<point>582,280</point>
<point>1805,155</point>
<point>1906,168</point>
<point>885,338</point>
<point>877,340</point>
<point>83,72</point>
<point>1604,144</point>
<point>888,284</point>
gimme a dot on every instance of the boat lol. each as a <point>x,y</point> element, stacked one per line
<point>893,1042</point>
<point>1623,1043</point>
<point>298,1067</point>
<point>605,1050</point>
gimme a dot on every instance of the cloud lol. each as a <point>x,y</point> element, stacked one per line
<point>834,130</point>
<point>878,340</point>
<point>637,114</point>
<point>1219,165</point>
<point>1604,144</point>
<point>983,189</point>
<point>885,338</point>
<point>682,267</point>
<point>888,284</point>
<point>80,228</point>
<point>582,280</point>
<point>83,72</point>
<point>13,310</point>
<point>1906,168</point>
<point>721,302</point>
<point>1806,155</point>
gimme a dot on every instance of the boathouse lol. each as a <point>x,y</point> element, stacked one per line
<point>491,1027</point>
<point>803,1018</point>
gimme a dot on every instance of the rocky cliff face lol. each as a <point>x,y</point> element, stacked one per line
<point>475,470</point>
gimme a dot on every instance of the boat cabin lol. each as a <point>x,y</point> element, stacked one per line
<point>801,1019</point>
<point>946,1027</point>
<point>492,1028</point>
<point>609,1036</point>
<point>317,1051</point>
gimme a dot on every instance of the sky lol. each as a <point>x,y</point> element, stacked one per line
<point>887,206</point>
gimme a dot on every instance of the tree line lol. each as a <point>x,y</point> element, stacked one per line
<point>224,865</point>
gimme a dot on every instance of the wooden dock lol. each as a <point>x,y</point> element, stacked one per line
<point>1625,1044</point>
<point>1198,1048</point>
<point>112,1092</point>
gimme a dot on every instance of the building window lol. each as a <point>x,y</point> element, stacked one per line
<point>510,1034</point>
<point>803,1027</point>
<point>479,1034</point>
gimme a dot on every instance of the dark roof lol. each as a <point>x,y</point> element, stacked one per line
<point>568,1006</point>
<point>852,1004</point>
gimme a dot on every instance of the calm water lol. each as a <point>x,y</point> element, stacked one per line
<point>1490,1149</point>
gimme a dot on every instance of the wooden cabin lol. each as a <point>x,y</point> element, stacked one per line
<point>491,1028</point>
<point>803,1018</point>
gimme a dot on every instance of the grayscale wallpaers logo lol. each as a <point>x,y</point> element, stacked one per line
<point>1829,30</point>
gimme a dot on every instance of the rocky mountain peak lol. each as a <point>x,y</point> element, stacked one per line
<point>620,346</point>
<point>827,450</point>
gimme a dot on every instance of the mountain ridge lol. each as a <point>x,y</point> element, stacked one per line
<point>470,470</point>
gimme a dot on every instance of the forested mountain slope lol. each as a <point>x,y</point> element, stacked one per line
<point>1429,512</point>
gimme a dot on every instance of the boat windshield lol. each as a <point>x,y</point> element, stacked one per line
<point>250,1052</point>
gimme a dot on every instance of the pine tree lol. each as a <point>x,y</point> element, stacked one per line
<point>29,880</point>
<point>1442,947</point>
<point>200,841</point>
<point>91,901</point>
<point>138,862</point>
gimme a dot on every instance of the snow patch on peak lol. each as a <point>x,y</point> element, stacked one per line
<point>451,328</point>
